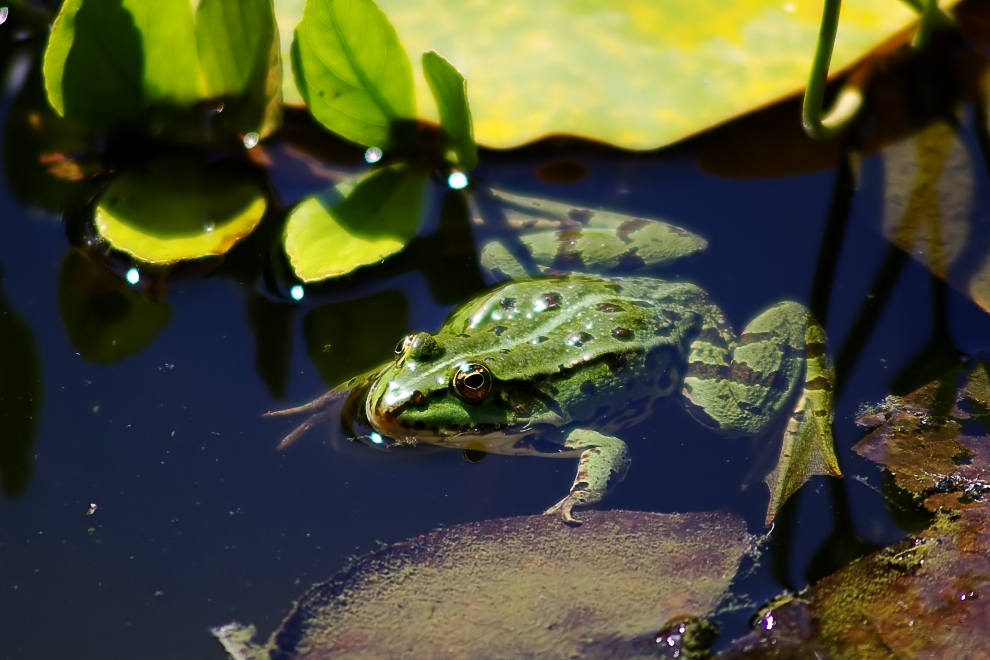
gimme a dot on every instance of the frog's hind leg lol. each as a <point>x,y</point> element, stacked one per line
<point>777,365</point>
<point>603,463</point>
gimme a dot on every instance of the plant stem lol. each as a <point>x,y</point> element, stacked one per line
<point>850,98</point>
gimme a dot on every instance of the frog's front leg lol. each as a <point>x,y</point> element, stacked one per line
<point>778,365</point>
<point>603,463</point>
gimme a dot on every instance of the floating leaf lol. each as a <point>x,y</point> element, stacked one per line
<point>20,401</point>
<point>601,590</point>
<point>348,338</point>
<point>106,320</point>
<point>450,92</point>
<point>357,76</point>
<point>376,219</point>
<point>919,438</point>
<point>109,62</point>
<point>179,208</point>
<point>633,73</point>
<point>924,597</point>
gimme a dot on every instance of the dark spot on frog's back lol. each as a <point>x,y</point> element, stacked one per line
<point>628,227</point>
<point>609,308</point>
<point>507,303</point>
<point>498,330</point>
<point>589,388</point>
<point>624,334</point>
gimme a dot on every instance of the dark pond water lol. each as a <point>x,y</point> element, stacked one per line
<point>158,506</point>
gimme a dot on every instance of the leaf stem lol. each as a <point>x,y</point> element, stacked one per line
<point>820,125</point>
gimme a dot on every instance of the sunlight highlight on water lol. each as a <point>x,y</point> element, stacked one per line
<point>297,292</point>
<point>4,11</point>
<point>457,180</point>
<point>133,276</point>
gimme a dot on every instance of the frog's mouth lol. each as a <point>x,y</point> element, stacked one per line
<point>389,423</point>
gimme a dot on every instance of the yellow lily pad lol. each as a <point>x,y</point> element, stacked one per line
<point>633,73</point>
<point>179,208</point>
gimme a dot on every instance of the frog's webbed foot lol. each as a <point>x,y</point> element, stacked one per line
<point>603,463</point>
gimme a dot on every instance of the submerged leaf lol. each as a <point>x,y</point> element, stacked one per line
<point>632,73</point>
<point>601,590</point>
<point>375,220</point>
<point>179,208</point>
<point>20,401</point>
<point>347,338</point>
<point>106,320</point>
<point>450,92</point>
<point>357,76</point>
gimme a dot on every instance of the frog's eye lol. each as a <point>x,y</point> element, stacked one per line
<point>472,382</point>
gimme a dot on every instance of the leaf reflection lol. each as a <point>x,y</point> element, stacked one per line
<point>106,319</point>
<point>20,401</point>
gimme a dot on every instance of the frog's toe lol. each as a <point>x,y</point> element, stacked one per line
<point>565,508</point>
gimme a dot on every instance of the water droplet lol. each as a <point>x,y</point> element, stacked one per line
<point>133,276</point>
<point>457,180</point>
<point>622,333</point>
<point>376,438</point>
<point>578,339</point>
<point>3,15</point>
<point>537,340</point>
<point>547,301</point>
<point>297,292</point>
<point>251,140</point>
<point>372,155</point>
<point>209,226</point>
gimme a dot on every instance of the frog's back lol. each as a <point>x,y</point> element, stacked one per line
<point>597,345</point>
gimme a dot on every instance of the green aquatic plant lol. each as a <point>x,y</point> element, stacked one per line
<point>163,68</point>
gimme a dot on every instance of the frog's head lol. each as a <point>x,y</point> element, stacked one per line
<point>439,394</point>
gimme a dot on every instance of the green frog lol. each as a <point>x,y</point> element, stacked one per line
<point>560,365</point>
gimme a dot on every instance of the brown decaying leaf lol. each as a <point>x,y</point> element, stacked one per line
<point>919,439</point>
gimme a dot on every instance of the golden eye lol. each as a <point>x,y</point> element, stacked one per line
<point>400,348</point>
<point>472,382</point>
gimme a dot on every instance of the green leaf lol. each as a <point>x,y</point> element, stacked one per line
<point>112,62</point>
<point>357,75</point>
<point>240,59</point>
<point>638,74</point>
<point>106,320</point>
<point>179,208</point>
<point>450,92</point>
<point>374,221</point>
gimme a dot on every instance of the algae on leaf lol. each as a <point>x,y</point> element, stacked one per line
<point>605,589</point>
